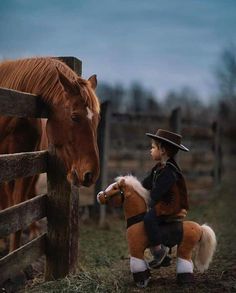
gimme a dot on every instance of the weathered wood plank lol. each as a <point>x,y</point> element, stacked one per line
<point>19,104</point>
<point>26,164</point>
<point>63,219</point>
<point>19,259</point>
<point>22,215</point>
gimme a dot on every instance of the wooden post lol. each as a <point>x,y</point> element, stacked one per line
<point>175,123</point>
<point>103,145</point>
<point>175,120</point>
<point>74,63</point>
<point>62,211</point>
<point>63,222</point>
<point>217,154</point>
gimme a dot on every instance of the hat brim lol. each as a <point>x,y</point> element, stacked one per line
<point>179,146</point>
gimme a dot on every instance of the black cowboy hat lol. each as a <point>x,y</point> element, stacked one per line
<point>169,137</point>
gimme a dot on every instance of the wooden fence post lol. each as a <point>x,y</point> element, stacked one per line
<point>103,145</point>
<point>175,123</point>
<point>63,221</point>
<point>217,154</point>
<point>62,211</point>
<point>175,120</point>
<point>74,63</point>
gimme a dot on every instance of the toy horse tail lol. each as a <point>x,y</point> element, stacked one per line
<point>205,248</point>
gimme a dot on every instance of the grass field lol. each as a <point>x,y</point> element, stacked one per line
<point>104,259</point>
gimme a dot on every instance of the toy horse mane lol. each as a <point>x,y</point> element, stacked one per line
<point>39,76</point>
<point>137,186</point>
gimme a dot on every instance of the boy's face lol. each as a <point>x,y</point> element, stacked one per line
<point>156,151</point>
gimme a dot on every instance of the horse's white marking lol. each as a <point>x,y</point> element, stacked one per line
<point>89,114</point>
<point>184,266</point>
<point>133,181</point>
<point>137,265</point>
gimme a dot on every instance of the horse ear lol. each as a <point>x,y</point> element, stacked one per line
<point>93,81</point>
<point>65,82</point>
<point>122,182</point>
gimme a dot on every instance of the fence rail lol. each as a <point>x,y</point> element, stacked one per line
<point>19,217</point>
<point>22,165</point>
<point>19,259</point>
<point>19,104</point>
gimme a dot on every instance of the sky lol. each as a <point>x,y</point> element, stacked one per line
<point>164,44</point>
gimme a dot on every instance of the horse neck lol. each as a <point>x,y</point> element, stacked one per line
<point>134,204</point>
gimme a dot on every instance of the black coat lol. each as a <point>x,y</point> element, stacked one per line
<point>167,188</point>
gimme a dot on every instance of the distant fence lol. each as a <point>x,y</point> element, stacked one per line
<point>130,148</point>
<point>59,205</point>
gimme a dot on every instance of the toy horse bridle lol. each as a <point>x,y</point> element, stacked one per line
<point>120,192</point>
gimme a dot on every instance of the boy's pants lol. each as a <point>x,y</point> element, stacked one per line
<point>151,223</point>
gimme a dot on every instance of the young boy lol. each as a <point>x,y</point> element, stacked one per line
<point>167,187</point>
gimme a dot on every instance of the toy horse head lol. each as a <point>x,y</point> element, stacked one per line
<point>123,189</point>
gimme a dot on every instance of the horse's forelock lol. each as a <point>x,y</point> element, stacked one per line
<point>89,95</point>
<point>137,186</point>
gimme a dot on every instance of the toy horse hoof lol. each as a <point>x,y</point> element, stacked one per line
<point>185,278</point>
<point>142,278</point>
<point>142,284</point>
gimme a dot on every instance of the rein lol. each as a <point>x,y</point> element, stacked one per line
<point>120,193</point>
<point>134,220</point>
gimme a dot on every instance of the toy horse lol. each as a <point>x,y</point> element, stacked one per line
<point>129,192</point>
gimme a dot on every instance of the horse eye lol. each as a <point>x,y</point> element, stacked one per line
<point>75,118</point>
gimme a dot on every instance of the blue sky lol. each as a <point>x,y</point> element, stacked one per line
<point>162,43</point>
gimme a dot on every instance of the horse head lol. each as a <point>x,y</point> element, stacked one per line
<point>72,129</point>
<point>113,195</point>
<point>125,188</point>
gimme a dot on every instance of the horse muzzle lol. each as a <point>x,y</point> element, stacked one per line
<point>87,178</point>
<point>101,197</point>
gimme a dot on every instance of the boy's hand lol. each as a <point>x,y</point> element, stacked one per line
<point>182,213</point>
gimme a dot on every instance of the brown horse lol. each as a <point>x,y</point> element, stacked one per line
<point>129,192</point>
<point>71,126</point>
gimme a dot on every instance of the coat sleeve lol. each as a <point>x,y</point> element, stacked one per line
<point>163,184</point>
<point>147,181</point>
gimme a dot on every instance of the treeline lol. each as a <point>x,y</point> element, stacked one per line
<point>137,98</point>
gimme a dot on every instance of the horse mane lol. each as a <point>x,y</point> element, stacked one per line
<point>39,76</point>
<point>137,186</point>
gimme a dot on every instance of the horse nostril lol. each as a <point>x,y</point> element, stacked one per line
<point>88,178</point>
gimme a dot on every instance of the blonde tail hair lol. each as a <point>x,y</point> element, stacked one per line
<point>205,249</point>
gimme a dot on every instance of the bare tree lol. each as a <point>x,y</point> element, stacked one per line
<point>187,100</point>
<point>226,73</point>
<point>226,79</point>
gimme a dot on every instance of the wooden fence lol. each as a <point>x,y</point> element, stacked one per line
<point>130,149</point>
<point>59,205</point>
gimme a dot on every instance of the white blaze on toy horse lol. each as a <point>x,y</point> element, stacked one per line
<point>129,192</point>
